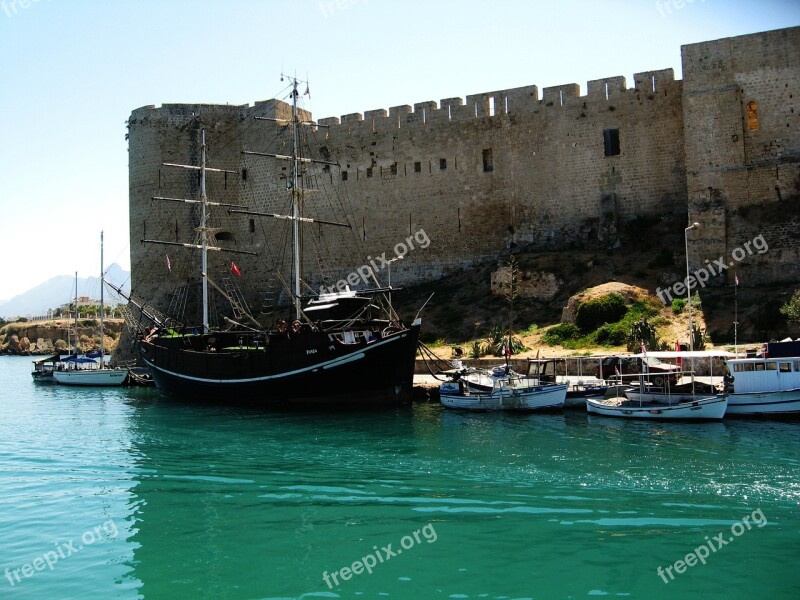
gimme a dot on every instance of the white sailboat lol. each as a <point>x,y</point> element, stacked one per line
<point>81,371</point>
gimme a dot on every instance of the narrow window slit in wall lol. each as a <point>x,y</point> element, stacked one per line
<point>488,166</point>
<point>611,142</point>
<point>491,106</point>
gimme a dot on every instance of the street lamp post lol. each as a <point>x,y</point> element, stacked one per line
<point>688,289</point>
<point>389,265</point>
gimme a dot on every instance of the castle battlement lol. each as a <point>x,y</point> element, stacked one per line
<point>516,101</point>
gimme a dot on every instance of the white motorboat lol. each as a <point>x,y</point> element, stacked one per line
<point>507,393</point>
<point>710,408</point>
<point>767,385</point>
<point>545,370</point>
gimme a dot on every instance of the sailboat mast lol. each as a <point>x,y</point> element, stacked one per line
<point>102,335</point>
<point>295,201</point>
<point>203,230</point>
<point>76,313</point>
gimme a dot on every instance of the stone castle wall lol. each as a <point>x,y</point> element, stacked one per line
<point>503,170</point>
<point>742,131</point>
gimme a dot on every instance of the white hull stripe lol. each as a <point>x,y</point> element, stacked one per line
<point>326,365</point>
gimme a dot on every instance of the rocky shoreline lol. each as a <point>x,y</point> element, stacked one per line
<point>41,338</point>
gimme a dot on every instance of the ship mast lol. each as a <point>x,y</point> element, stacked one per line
<point>295,201</point>
<point>294,186</point>
<point>102,335</point>
<point>76,313</point>
<point>204,230</point>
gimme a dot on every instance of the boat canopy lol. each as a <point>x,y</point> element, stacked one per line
<point>54,358</point>
<point>78,359</point>
<point>687,354</point>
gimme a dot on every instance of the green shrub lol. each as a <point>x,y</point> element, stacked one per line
<point>594,313</point>
<point>643,332</point>
<point>791,310</point>
<point>477,349</point>
<point>678,304</point>
<point>498,339</point>
<point>560,334</point>
<point>611,334</point>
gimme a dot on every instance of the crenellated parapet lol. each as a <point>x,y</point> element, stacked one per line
<point>498,103</point>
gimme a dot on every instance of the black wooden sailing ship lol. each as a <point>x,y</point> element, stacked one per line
<point>341,345</point>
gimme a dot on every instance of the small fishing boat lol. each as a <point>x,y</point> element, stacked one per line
<point>509,393</point>
<point>768,385</point>
<point>545,370</point>
<point>139,377</point>
<point>711,408</point>
<point>43,369</point>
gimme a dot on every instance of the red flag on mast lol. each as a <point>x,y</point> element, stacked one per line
<point>235,269</point>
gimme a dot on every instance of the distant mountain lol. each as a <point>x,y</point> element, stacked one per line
<point>60,290</point>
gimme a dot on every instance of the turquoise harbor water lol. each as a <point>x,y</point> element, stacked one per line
<point>128,495</point>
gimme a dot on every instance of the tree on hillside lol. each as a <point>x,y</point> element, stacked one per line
<point>792,308</point>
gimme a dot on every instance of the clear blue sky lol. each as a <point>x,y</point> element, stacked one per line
<point>72,70</point>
